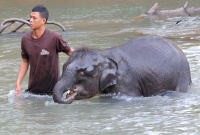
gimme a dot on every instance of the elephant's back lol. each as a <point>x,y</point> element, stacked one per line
<point>150,46</point>
<point>150,50</point>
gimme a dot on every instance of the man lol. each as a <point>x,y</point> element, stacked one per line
<point>40,49</point>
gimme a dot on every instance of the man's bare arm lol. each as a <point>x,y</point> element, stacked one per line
<point>22,72</point>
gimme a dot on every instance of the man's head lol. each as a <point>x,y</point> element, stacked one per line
<point>38,17</point>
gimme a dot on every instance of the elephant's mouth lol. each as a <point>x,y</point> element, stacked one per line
<point>70,96</point>
<point>69,93</point>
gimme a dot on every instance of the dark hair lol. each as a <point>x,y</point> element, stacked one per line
<point>42,10</point>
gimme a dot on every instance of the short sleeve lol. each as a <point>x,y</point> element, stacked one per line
<point>61,45</point>
<point>23,51</point>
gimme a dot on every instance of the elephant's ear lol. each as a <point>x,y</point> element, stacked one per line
<point>109,75</point>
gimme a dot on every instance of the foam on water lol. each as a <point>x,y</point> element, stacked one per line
<point>25,95</point>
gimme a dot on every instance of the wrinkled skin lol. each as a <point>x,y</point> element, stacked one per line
<point>143,66</point>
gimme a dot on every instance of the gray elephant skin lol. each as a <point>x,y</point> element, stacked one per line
<point>143,66</point>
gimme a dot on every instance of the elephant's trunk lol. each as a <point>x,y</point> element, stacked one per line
<point>63,85</point>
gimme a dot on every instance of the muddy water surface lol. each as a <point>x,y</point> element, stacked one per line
<point>100,24</point>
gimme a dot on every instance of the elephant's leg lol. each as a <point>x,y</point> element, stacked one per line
<point>162,92</point>
<point>183,82</point>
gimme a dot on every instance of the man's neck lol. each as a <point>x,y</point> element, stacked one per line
<point>37,33</point>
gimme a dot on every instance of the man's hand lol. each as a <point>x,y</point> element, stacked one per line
<point>17,90</point>
<point>70,52</point>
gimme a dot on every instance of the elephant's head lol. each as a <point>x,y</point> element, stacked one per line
<point>86,73</point>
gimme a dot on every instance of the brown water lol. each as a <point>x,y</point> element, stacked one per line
<point>100,24</point>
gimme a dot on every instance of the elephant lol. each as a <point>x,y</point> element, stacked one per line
<point>143,66</point>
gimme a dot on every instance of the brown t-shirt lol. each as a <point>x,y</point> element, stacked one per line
<point>42,54</point>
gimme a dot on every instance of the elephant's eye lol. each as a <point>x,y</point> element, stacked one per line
<point>81,73</point>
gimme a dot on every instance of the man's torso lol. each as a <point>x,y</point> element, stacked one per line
<point>43,59</point>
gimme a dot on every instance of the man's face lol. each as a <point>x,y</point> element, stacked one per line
<point>36,21</point>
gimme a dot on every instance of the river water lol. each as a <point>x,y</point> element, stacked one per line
<point>100,24</point>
